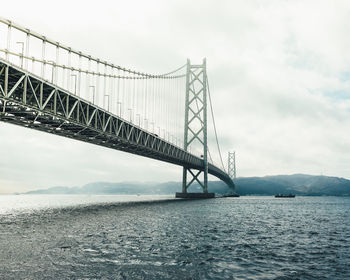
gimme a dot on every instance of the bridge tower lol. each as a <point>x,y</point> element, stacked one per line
<point>231,165</point>
<point>196,125</point>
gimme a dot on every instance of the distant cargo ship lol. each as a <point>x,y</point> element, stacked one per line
<point>231,195</point>
<point>284,195</point>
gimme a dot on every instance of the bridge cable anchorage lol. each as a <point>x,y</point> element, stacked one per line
<point>216,134</point>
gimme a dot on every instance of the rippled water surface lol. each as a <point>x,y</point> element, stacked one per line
<point>106,237</point>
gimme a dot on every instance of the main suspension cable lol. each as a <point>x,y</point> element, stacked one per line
<point>58,45</point>
<point>134,75</point>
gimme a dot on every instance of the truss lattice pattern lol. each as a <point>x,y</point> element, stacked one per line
<point>196,121</point>
<point>231,165</point>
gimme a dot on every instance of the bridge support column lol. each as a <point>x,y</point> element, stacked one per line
<point>231,165</point>
<point>195,134</point>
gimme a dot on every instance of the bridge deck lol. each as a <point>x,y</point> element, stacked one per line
<point>29,101</point>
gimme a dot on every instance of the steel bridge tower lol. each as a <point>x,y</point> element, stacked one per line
<point>196,124</point>
<point>231,165</point>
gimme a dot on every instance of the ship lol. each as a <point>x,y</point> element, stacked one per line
<point>231,195</point>
<point>285,195</point>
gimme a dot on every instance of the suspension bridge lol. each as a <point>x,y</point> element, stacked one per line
<point>50,87</point>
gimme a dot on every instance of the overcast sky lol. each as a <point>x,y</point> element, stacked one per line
<point>279,74</point>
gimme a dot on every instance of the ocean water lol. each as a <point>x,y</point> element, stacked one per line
<point>157,237</point>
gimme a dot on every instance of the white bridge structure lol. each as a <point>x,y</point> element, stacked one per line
<point>50,87</point>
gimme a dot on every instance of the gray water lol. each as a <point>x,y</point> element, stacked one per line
<point>107,237</point>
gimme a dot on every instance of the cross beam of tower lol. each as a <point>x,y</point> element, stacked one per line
<point>196,121</point>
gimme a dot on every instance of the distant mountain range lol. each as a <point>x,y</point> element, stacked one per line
<point>298,184</point>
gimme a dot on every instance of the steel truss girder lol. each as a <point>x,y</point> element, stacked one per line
<point>29,101</point>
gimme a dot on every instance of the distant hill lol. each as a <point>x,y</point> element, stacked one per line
<point>299,184</point>
<point>122,188</point>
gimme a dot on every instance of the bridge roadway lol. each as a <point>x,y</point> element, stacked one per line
<point>29,101</point>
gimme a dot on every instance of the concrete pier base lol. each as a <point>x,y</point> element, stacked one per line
<point>194,195</point>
